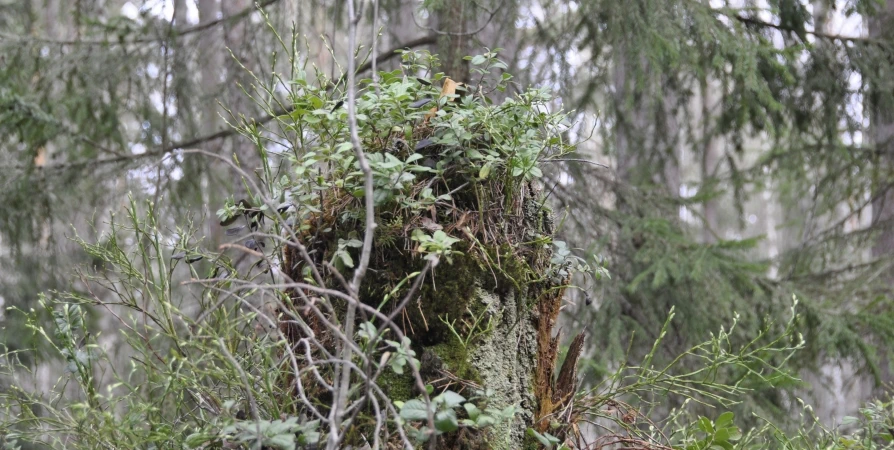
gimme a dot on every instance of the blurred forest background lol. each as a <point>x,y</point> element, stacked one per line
<point>748,144</point>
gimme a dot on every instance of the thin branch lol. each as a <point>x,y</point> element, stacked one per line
<point>255,413</point>
<point>375,42</point>
<point>585,161</point>
<point>184,32</point>
<point>343,373</point>
<point>223,134</point>
<point>828,36</point>
<point>487,22</point>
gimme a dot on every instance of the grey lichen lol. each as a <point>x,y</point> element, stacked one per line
<point>504,359</point>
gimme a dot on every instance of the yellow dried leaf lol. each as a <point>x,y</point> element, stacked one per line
<point>40,159</point>
<point>449,87</point>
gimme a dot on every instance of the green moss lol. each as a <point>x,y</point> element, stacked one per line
<point>511,270</point>
<point>449,289</point>
<point>398,387</point>
<point>456,359</point>
<point>449,294</point>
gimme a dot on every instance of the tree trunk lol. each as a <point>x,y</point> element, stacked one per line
<point>882,136</point>
<point>452,19</point>
<point>710,159</point>
<point>210,68</point>
<point>238,39</point>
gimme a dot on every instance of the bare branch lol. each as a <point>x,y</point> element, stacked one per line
<point>827,36</point>
<point>487,22</point>
<point>343,374</point>
<point>105,42</point>
<point>223,134</point>
<point>584,161</point>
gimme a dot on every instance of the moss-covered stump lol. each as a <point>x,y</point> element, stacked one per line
<point>499,362</point>
<point>454,184</point>
<point>481,323</point>
<point>473,325</point>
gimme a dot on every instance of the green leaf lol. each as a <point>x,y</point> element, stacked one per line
<point>196,439</point>
<point>546,439</point>
<point>282,441</point>
<point>445,421</point>
<point>734,434</point>
<point>414,410</point>
<point>486,420</point>
<point>722,435</point>
<point>450,399</point>
<point>724,420</point>
<point>484,172</point>
<point>472,411</point>
<point>309,433</point>
<point>705,425</point>
<point>345,258</point>
<point>849,420</point>
<point>421,435</point>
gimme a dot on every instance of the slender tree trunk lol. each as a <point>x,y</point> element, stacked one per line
<point>238,40</point>
<point>882,136</point>
<point>710,158</point>
<point>211,73</point>
<point>627,120</point>
<point>453,18</point>
<point>838,387</point>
